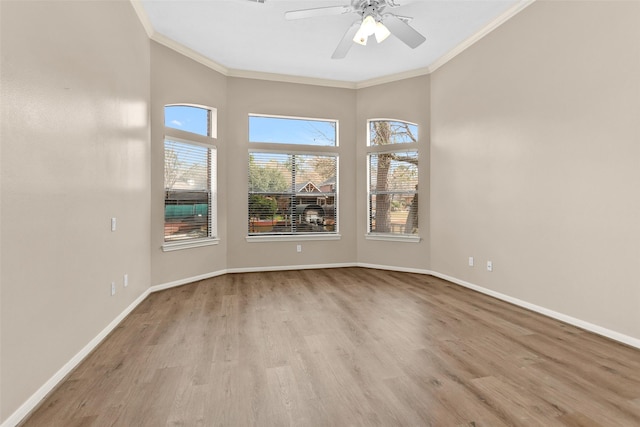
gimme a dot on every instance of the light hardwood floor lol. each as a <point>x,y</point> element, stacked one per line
<point>344,347</point>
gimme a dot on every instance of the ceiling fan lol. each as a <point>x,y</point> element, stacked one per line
<point>373,20</point>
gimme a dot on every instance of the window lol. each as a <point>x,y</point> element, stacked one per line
<point>294,131</point>
<point>189,177</point>
<point>392,179</point>
<point>292,192</point>
<point>188,118</point>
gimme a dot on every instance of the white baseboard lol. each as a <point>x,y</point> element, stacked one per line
<point>47,387</point>
<point>608,333</point>
<point>186,281</point>
<point>392,268</point>
<point>596,329</point>
<point>33,401</point>
<point>192,279</point>
<point>290,267</point>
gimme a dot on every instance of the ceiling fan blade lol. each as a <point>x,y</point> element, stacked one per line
<point>403,31</point>
<point>319,11</point>
<point>346,42</point>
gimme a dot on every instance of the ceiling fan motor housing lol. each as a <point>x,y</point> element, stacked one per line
<point>371,9</point>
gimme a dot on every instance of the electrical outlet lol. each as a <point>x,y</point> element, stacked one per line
<point>113,288</point>
<point>470,261</point>
<point>113,224</point>
<point>299,248</point>
<point>489,266</point>
<point>126,280</point>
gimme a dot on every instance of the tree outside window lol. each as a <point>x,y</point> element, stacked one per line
<point>393,178</point>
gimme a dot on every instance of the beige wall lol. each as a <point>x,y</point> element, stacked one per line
<point>536,161</point>
<point>262,97</point>
<point>75,152</point>
<point>406,100</point>
<point>177,79</point>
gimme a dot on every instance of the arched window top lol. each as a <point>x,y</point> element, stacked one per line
<point>191,118</point>
<point>387,132</point>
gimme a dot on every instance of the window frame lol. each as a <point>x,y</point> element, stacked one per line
<point>208,142</point>
<point>382,149</point>
<point>296,149</point>
<point>212,120</point>
<point>282,144</point>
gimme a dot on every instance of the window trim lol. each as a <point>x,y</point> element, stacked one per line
<point>388,149</point>
<point>212,120</point>
<point>297,149</point>
<point>253,238</point>
<point>403,144</point>
<point>328,235</point>
<point>280,144</point>
<point>208,142</point>
<point>404,238</point>
<point>187,244</point>
<point>204,144</point>
<point>294,152</point>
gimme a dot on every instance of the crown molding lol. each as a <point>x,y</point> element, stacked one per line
<point>245,74</point>
<point>142,16</point>
<point>258,75</point>
<point>501,19</point>
<point>189,53</point>
<point>393,77</point>
<point>285,78</point>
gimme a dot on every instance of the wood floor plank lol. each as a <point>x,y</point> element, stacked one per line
<point>344,347</point>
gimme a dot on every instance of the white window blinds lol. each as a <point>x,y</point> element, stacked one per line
<point>189,171</point>
<point>393,192</point>
<point>292,193</point>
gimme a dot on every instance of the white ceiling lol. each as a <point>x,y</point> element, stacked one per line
<point>242,35</point>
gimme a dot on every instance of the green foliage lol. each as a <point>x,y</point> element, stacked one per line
<point>266,179</point>
<point>262,207</point>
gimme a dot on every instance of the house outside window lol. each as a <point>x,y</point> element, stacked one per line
<point>392,169</point>
<point>292,177</point>
<point>189,177</point>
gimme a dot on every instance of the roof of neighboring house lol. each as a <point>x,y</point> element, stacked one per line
<point>330,181</point>
<point>308,187</point>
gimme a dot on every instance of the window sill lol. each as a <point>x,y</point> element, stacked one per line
<point>293,237</point>
<point>407,238</point>
<point>196,243</point>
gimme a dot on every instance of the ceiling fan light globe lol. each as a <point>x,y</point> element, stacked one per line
<point>382,32</point>
<point>361,37</point>
<point>368,26</point>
